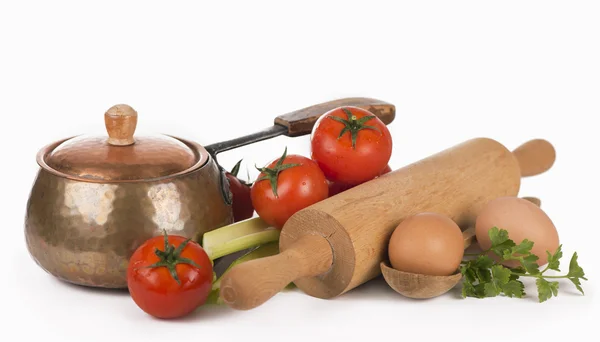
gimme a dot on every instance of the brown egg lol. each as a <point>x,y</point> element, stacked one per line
<point>522,220</point>
<point>426,243</point>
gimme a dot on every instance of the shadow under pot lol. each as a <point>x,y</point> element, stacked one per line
<point>96,199</point>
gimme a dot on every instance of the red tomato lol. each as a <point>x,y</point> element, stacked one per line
<point>351,145</point>
<point>242,203</point>
<point>285,186</point>
<point>173,284</point>
<point>336,188</point>
<point>387,169</point>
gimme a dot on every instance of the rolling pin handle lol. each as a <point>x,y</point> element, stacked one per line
<point>252,283</point>
<point>535,157</point>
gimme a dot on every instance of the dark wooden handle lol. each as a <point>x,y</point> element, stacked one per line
<point>302,121</point>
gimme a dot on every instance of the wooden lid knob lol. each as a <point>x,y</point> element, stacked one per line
<point>120,121</point>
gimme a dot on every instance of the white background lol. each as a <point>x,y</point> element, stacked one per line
<point>508,70</point>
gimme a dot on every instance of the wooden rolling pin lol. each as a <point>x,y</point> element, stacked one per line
<point>337,244</point>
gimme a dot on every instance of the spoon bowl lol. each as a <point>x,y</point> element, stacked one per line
<point>418,286</point>
<point>423,286</point>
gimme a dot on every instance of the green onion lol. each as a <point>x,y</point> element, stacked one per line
<point>237,237</point>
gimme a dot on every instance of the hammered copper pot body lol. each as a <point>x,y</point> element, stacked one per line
<point>84,232</point>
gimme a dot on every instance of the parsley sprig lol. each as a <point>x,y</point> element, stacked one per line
<point>484,277</point>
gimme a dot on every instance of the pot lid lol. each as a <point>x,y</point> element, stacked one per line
<point>120,156</point>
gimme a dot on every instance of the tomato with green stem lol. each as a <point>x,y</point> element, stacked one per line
<point>169,276</point>
<point>285,186</point>
<point>351,145</point>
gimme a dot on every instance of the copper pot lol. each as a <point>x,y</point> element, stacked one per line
<point>97,198</point>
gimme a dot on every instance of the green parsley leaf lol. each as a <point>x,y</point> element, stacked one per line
<point>479,291</point>
<point>465,288</point>
<point>484,277</point>
<point>577,284</point>
<point>529,262</point>
<point>491,290</point>
<point>514,288</point>
<point>575,271</point>
<point>501,275</point>
<point>523,248</point>
<point>502,249</point>
<point>472,290</point>
<point>497,236</point>
<point>468,272</point>
<point>475,277</point>
<point>507,255</point>
<point>517,271</point>
<point>554,259</point>
<point>500,241</point>
<point>554,286</point>
<point>546,289</point>
<point>483,261</point>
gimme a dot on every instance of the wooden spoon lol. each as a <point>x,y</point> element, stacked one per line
<point>423,286</point>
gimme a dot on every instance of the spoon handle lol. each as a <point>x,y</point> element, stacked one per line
<point>468,236</point>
